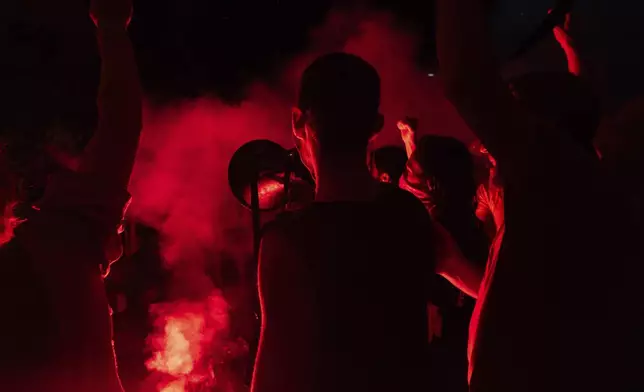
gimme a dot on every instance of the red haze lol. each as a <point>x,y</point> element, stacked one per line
<point>180,180</point>
<point>180,183</point>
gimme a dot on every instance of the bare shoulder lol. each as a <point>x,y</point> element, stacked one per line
<point>279,230</point>
<point>277,238</point>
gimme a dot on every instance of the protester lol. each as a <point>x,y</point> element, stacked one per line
<point>440,172</point>
<point>59,333</point>
<point>344,305</point>
<point>531,330</point>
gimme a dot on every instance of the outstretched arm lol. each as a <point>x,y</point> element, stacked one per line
<point>452,265</point>
<point>473,84</point>
<point>448,260</point>
<point>98,190</point>
<point>110,154</point>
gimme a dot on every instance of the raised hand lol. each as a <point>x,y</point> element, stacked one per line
<point>111,152</point>
<point>112,13</point>
<point>407,129</point>
<point>565,41</point>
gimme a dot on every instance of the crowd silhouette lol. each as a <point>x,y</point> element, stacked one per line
<point>404,273</point>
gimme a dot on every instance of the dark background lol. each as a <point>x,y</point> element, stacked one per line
<point>188,48</point>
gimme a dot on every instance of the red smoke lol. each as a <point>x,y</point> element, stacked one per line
<point>180,180</point>
<point>407,90</point>
<point>190,344</point>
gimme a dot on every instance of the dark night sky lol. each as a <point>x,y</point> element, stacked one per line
<point>190,47</point>
<point>220,45</point>
<point>187,47</point>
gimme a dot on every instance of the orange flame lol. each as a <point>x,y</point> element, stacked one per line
<point>178,356</point>
<point>176,386</point>
<point>191,337</point>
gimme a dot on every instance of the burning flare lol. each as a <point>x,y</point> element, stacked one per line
<point>191,340</point>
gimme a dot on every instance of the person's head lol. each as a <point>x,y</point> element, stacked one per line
<point>388,164</point>
<point>563,100</point>
<point>338,109</point>
<point>449,171</point>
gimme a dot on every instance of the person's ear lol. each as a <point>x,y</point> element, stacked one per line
<point>298,122</point>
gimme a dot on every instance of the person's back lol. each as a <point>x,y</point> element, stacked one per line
<point>345,305</point>
<point>551,310</point>
<point>539,309</point>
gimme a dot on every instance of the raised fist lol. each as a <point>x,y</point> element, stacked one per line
<point>114,13</point>
<point>407,129</point>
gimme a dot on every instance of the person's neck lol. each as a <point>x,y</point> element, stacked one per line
<point>344,179</point>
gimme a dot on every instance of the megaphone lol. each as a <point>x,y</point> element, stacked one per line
<point>261,174</point>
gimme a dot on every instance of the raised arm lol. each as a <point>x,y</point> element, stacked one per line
<point>407,130</point>
<point>452,265</point>
<point>110,154</point>
<point>448,260</point>
<point>473,83</point>
<point>567,44</point>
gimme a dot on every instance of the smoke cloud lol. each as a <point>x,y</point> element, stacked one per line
<point>180,180</point>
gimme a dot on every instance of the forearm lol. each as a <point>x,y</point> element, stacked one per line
<point>110,154</point>
<point>410,147</point>
<point>452,264</point>
<point>462,274</point>
<point>574,65</point>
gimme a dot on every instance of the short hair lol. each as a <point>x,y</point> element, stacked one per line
<point>341,92</point>
<point>449,167</point>
<point>562,99</point>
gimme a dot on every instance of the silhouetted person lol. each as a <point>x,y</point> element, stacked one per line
<point>344,304</point>
<point>56,319</point>
<point>440,172</point>
<point>541,322</point>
